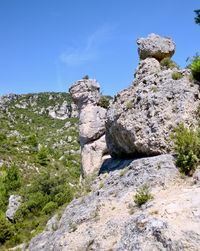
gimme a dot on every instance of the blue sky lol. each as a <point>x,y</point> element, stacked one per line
<point>46,45</point>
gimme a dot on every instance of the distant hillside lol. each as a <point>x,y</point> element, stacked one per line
<point>39,160</point>
<point>55,104</point>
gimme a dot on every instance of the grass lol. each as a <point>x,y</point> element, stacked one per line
<point>142,196</point>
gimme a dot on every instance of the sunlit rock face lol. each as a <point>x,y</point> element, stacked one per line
<point>143,116</point>
<point>86,95</point>
<point>155,46</point>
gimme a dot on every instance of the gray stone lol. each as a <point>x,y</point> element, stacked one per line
<point>196,177</point>
<point>86,94</point>
<point>146,67</point>
<point>156,172</point>
<point>155,46</point>
<point>14,204</point>
<point>142,117</point>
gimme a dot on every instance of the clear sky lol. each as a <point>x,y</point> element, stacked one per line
<point>46,45</point>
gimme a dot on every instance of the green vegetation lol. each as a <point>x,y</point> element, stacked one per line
<point>197,18</point>
<point>187,144</point>
<point>6,229</point>
<point>142,196</point>
<point>167,63</point>
<point>105,101</point>
<point>177,75</point>
<point>195,68</point>
<point>38,163</point>
<point>129,105</point>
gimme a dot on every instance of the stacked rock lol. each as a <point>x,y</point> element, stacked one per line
<point>142,117</point>
<point>86,95</point>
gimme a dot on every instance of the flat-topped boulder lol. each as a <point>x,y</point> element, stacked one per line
<point>155,46</point>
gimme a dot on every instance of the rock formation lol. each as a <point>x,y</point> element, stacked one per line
<point>86,95</point>
<point>138,124</point>
<point>14,204</point>
<point>108,219</point>
<point>142,117</point>
<point>156,47</point>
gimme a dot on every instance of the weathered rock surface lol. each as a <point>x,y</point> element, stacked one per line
<point>86,95</point>
<point>143,116</point>
<point>14,204</point>
<point>155,46</point>
<point>57,105</point>
<point>60,112</point>
<point>108,219</point>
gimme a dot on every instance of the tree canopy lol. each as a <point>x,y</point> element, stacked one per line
<point>197,18</point>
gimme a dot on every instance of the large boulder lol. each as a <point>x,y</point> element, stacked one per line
<point>156,47</point>
<point>86,95</point>
<point>14,204</point>
<point>142,117</point>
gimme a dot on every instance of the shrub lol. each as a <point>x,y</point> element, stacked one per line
<point>167,63</point>
<point>86,77</point>
<point>186,143</point>
<point>49,207</point>
<point>142,196</point>
<point>42,156</point>
<point>195,68</point>
<point>6,229</point>
<point>129,105</point>
<point>104,101</point>
<point>32,140</point>
<point>12,179</point>
<point>177,75</point>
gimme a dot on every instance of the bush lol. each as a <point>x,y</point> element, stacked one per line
<point>86,77</point>
<point>142,196</point>
<point>50,207</point>
<point>12,179</point>
<point>6,229</point>
<point>32,140</point>
<point>186,143</point>
<point>167,63</point>
<point>177,75</point>
<point>195,68</point>
<point>104,101</point>
<point>42,156</point>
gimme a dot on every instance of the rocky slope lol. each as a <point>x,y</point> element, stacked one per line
<point>39,161</point>
<point>109,219</point>
<point>138,125</point>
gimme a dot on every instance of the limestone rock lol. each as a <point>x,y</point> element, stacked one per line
<point>86,95</point>
<point>14,204</point>
<point>100,219</point>
<point>196,177</point>
<point>142,117</point>
<point>155,46</point>
<point>92,155</point>
<point>146,67</point>
<point>60,112</point>
<point>84,92</point>
<point>92,123</point>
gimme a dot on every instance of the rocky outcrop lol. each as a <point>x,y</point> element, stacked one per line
<point>156,47</point>
<point>60,112</point>
<point>108,218</point>
<point>86,95</point>
<point>14,204</point>
<point>57,105</point>
<point>143,116</point>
